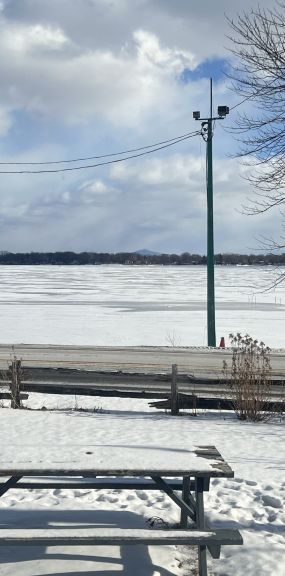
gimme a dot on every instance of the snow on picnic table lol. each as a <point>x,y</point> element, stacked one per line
<point>253,501</point>
<point>106,445</point>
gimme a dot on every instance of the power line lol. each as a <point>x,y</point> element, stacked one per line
<point>54,170</point>
<point>176,138</point>
<point>252,95</point>
<point>156,146</point>
<point>242,101</point>
<point>97,157</point>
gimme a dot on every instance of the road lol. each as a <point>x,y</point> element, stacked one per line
<point>199,362</point>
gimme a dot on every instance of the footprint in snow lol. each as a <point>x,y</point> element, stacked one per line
<point>142,495</point>
<point>271,501</point>
<point>272,516</point>
<point>160,498</point>
<point>258,515</point>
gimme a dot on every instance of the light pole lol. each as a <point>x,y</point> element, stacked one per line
<point>207,134</point>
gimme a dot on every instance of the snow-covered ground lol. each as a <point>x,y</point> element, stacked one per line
<point>253,501</point>
<point>122,305</point>
<point>136,305</point>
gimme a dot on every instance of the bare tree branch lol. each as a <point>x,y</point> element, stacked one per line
<point>258,44</point>
<point>258,73</point>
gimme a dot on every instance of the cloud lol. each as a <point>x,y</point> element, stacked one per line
<point>22,39</point>
<point>79,84</point>
<point>196,26</point>
<point>10,212</point>
<point>48,71</point>
<point>5,121</point>
<point>176,170</point>
<point>159,202</point>
<point>94,77</point>
<point>96,192</point>
<point>151,53</point>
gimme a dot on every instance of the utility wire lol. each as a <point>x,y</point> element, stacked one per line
<point>252,95</point>
<point>84,159</point>
<point>177,138</point>
<point>54,170</point>
<point>242,101</point>
<point>156,146</point>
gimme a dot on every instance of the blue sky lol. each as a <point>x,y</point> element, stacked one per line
<point>93,77</point>
<point>215,68</point>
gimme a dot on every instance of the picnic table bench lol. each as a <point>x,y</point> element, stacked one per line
<point>135,467</point>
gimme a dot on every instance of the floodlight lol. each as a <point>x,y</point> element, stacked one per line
<point>196,115</point>
<point>223,111</point>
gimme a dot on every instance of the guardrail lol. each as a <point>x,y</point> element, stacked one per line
<point>208,392</point>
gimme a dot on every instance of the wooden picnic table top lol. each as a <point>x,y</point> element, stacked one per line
<point>113,460</point>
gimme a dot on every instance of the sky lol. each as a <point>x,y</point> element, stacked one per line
<point>87,78</point>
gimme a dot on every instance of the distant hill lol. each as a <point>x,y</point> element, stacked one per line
<point>146,252</point>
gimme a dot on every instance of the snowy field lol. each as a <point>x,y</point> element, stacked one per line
<point>253,502</point>
<point>124,305</point>
<point>136,305</point>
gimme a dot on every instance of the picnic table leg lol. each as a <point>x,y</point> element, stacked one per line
<point>200,521</point>
<point>9,484</point>
<point>185,497</point>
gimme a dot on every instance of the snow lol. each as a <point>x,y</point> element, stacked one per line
<point>104,534</point>
<point>136,305</point>
<point>64,445</point>
<point>121,305</point>
<point>253,501</point>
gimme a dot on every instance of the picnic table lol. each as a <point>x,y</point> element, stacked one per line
<point>184,478</point>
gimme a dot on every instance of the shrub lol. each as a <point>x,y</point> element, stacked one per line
<point>249,377</point>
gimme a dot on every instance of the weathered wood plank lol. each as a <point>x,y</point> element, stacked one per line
<point>186,498</point>
<point>190,401</point>
<point>71,390</point>
<point>114,536</point>
<point>100,484</point>
<point>10,483</point>
<point>186,508</point>
<point>103,460</point>
<point>8,396</point>
<point>174,392</point>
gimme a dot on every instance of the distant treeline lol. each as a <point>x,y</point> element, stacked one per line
<point>96,258</point>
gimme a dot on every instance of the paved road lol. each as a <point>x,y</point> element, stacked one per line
<point>200,362</point>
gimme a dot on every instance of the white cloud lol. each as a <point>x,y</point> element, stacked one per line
<point>175,170</point>
<point>21,38</point>
<point>196,26</point>
<point>94,187</point>
<point>81,84</point>
<point>96,191</point>
<point>152,54</point>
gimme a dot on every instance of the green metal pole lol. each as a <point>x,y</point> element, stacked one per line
<point>210,241</point>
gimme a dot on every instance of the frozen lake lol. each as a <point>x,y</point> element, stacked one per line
<point>136,305</point>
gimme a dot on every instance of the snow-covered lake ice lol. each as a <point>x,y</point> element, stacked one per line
<point>136,305</point>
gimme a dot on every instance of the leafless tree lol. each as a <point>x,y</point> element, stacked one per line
<point>258,75</point>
